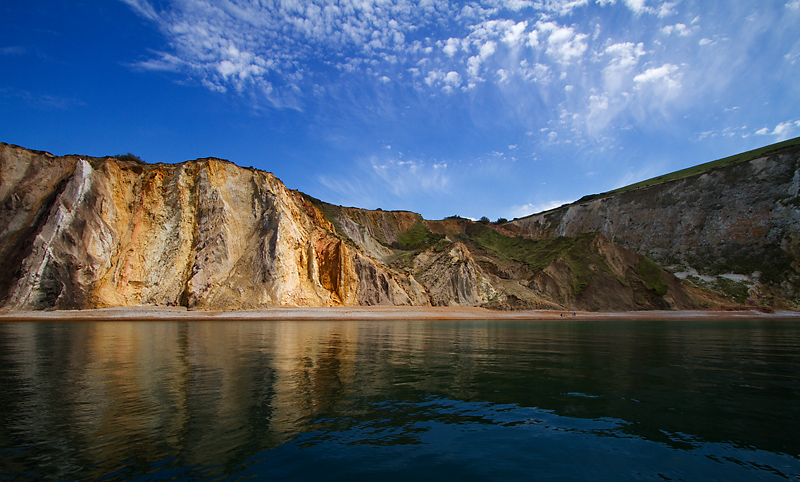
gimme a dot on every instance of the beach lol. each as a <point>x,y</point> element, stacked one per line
<point>374,313</point>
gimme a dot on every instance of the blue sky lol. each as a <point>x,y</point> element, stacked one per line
<point>495,108</point>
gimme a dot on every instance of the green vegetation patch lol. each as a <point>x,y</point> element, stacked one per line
<point>736,291</point>
<point>576,252</point>
<point>416,238</point>
<point>129,157</point>
<point>650,273</point>
<point>442,245</point>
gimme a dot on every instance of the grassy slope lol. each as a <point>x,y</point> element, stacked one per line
<point>695,170</point>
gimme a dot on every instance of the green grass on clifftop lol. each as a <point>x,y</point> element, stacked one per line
<point>708,166</point>
<point>699,169</point>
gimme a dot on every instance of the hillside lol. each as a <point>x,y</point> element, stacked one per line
<point>79,232</point>
<point>731,226</point>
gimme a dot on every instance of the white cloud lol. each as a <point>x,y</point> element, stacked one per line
<point>565,7</point>
<point>563,43</point>
<point>474,67</point>
<point>784,130</point>
<point>678,29</point>
<point>598,102</point>
<point>165,63</point>
<point>638,6</point>
<point>514,33</point>
<point>434,77</point>
<point>546,57</point>
<point>487,50</point>
<point>659,74</point>
<point>451,46</point>
<point>250,45</point>
<point>503,76</point>
<point>625,55</point>
<point>666,9</point>
<point>452,79</point>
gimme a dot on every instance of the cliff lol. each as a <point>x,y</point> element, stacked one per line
<point>83,232</point>
<point>79,232</point>
<point>731,226</point>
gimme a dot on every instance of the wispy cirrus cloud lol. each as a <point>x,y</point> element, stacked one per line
<point>574,72</point>
<point>520,211</point>
<point>41,101</point>
<point>390,179</point>
<point>284,50</point>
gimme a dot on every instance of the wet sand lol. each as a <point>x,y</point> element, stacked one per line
<point>373,313</point>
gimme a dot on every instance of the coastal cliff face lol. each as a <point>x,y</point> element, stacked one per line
<point>87,232</point>
<point>733,229</point>
<point>79,232</point>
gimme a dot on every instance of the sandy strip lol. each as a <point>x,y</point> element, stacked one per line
<point>381,313</point>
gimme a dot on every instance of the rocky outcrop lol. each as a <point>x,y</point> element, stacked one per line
<point>734,228</point>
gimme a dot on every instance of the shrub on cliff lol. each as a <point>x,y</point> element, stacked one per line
<point>128,157</point>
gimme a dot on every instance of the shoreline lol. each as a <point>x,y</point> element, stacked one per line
<point>375,313</point>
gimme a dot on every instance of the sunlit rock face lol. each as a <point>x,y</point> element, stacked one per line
<point>88,232</point>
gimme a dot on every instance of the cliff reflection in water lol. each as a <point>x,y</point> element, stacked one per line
<point>91,400</point>
<point>76,395</point>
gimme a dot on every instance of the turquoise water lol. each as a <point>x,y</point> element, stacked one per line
<point>399,400</point>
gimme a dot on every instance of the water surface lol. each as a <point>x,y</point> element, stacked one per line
<point>397,400</point>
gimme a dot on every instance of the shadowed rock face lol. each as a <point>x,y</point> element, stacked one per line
<point>79,232</point>
<point>739,222</point>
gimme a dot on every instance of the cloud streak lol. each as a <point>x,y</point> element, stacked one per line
<point>392,180</point>
<point>283,50</point>
<point>577,74</point>
<point>287,54</point>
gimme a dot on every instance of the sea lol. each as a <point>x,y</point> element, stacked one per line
<point>566,400</point>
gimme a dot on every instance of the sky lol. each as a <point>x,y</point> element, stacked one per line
<point>496,108</point>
